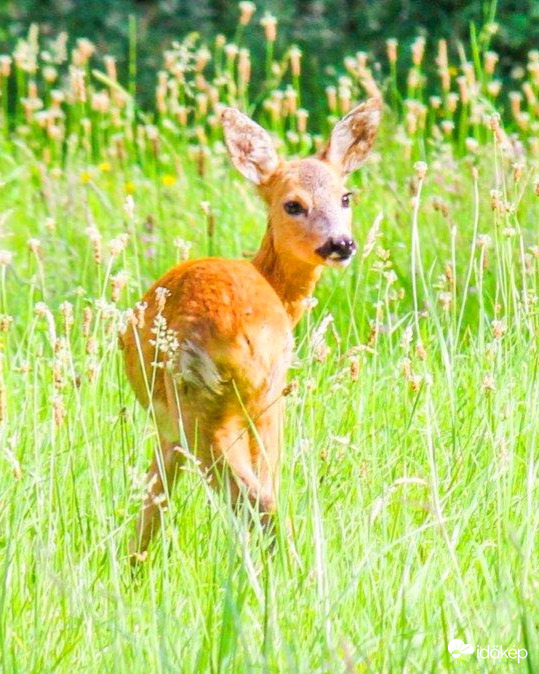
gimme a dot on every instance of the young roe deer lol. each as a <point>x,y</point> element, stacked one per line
<point>221,390</point>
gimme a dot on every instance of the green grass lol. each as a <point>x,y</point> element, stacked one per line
<point>408,514</point>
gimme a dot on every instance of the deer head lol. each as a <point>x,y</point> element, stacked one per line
<point>308,203</point>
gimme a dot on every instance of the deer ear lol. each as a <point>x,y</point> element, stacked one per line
<point>353,136</point>
<point>250,147</point>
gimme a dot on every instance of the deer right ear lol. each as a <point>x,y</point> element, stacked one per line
<point>353,136</point>
<point>250,147</point>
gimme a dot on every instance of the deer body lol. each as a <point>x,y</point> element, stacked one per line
<point>220,388</point>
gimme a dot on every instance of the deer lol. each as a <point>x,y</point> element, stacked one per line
<point>221,389</point>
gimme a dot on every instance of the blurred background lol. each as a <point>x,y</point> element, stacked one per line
<point>325,30</point>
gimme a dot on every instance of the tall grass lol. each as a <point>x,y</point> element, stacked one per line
<point>408,512</point>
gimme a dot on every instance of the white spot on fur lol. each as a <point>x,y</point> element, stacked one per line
<point>196,367</point>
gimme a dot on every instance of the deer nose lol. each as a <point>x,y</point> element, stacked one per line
<point>340,248</point>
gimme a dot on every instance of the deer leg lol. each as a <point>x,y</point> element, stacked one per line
<point>265,450</point>
<point>160,478</point>
<point>161,474</point>
<point>230,443</point>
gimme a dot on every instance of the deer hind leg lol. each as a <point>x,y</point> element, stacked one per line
<point>162,472</point>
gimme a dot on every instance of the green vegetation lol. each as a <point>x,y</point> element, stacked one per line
<point>409,508</point>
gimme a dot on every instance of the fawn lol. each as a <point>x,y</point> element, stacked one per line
<point>221,389</point>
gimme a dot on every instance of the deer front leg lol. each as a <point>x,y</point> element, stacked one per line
<point>265,449</point>
<point>230,444</point>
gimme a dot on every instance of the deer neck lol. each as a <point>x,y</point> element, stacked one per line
<point>293,280</point>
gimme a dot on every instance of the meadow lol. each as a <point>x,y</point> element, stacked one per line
<point>408,514</point>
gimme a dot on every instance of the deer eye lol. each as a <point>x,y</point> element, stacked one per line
<point>294,208</point>
<point>345,200</point>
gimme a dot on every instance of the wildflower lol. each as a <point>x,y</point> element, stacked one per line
<point>161,294</point>
<point>247,9</point>
<point>110,67</point>
<point>372,236</point>
<point>129,207</point>
<point>118,244</point>
<point>472,145</point>
<point>331,94</point>
<point>168,180</point>
<point>490,59</point>
<point>118,283</point>
<point>231,51</point>
<point>6,258</point>
<point>58,407</point>
<point>269,24</point>
<point>391,48</point>
<point>5,65</point>
<point>518,169</point>
<point>129,187</point>
<point>420,168</point>
<point>140,312</point>
<point>390,277</point>
<point>183,247</point>
<point>105,167</point>
<point>494,87</point>
<point>244,67</point>
<point>355,367</point>
<point>85,49</point>
<point>406,338</point>
<point>86,321</point>
<point>496,202</point>
<point>91,346</point>
<point>418,50</point>
<point>415,381</point>
<point>290,388</point>
<point>447,126</point>
<point>420,350</point>
<point>498,329</point>
<point>295,60</point>
<point>515,98</point>
<point>302,116</point>
<point>494,122</point>
<point>319,346</point>
<point>488,384</point>
<point>445,298</point>
<point>95,238</point>
<point>85,177</point>
<point>5,322</point>
<point>441,206</point>
<point>66,309</point>
<point>34,246</point>
<point>309,303</point>
<point>484,241</point>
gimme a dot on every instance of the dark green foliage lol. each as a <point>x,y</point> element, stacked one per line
<point>326,30</point>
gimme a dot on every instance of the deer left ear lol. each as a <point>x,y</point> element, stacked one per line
<point>353,136</point>
<point>250,147</point>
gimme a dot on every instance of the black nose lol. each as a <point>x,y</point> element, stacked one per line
<point>337,249</point>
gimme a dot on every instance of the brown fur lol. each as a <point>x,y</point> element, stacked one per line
<point>221,390</point>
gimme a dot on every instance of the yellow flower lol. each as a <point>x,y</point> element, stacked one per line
<point>105,167</point>
<point>129,187</point>
<point>168,180</point>
<point>85,177</point>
